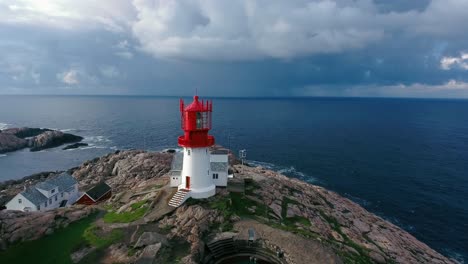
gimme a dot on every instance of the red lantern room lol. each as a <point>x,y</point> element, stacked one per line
<point>196,122</point>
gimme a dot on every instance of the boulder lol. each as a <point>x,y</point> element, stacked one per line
<point>148,238</point>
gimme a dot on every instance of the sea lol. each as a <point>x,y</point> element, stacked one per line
<point>405,160</point>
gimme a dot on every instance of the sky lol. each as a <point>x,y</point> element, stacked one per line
<point>258,48</point>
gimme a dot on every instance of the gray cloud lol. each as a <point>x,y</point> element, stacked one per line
<point>234,48</point>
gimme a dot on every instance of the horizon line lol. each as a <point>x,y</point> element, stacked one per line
<point>243,97</point>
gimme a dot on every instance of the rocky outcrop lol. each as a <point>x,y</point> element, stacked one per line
<point>76,145</point>
<point>18,226</point>
<point>339,222</point>
<point>36,139</point>
<point>190,222</point>
<point>51,139</point>
<point>10,142</point>
<point>123,169</point>
<point>300,218</point>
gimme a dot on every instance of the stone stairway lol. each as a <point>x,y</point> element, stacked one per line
<point>179,197</point>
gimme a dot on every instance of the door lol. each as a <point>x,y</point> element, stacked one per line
<point>187,182</point>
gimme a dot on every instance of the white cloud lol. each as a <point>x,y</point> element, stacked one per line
<point>36,77</point>
<point>109,71</point>
<point>447,63</point>
<point>112,15</point>
<point>123,48</point>
<point>253,29</point>
<point>240,29</point>
<point>124,54</point>
<point>69,77</point>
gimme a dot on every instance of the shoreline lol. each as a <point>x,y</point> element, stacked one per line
<point>85,173</point>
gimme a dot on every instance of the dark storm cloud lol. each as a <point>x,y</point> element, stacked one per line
<point>258,48</point>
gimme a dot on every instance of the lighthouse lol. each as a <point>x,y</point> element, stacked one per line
<point>199,168</point>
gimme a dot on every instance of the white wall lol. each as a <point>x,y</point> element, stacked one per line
<point>48,193</point>
<point>219,158</point>
<point>13,204</point>
<point>222,178</point>
<point>175,181</point>
<point>197,166</point>
<point>52,202</point>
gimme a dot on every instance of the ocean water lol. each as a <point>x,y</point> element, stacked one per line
<point>403,159</point>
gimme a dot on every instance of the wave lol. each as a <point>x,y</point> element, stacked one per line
<point>360,201</point>
<point>455,255</point>
<point>98,139</point>
<point>290,171</point>
<point>67,130</point>
<point>4,126</point>
<point>3,155</point>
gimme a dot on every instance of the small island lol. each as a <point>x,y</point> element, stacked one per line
<point>36,139</point>
<point>260,212</point>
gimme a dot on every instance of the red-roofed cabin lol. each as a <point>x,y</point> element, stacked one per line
<point>98,193</point>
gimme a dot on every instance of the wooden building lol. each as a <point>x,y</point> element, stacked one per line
<point>98,193</point>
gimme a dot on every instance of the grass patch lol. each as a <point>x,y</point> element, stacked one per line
<point>138,210</point>
<point>55,248</point>
<point>96,238</point>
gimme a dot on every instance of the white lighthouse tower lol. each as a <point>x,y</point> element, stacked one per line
<point>196,180</point>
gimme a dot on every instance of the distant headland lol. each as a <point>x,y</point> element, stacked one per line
<point>36,139</point>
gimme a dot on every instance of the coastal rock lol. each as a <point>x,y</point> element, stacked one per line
<point>16,226</point>
<point>36,139</point>
<point>25,132</point>
<point>148,238</point>
<point>74,146</point>
<point>50,139</point>
<point>333,217</point>
<point>306,221</point>
<point>124,169</point>
<point>10,142</point>
<point>191,222</point>
<point>150,251</point>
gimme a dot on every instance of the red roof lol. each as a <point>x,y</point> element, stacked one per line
<point>197,106</point>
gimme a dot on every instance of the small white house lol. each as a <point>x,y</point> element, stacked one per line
<point>218,168</point>
<point>55,192</point>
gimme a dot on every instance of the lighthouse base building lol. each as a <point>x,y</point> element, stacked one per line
<point>199,168</point>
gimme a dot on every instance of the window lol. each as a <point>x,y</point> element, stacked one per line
<point>62,194</point>
<point>215,175</point>
<point>50,200</point>
<point>39,207</point>
<point>199,120</point>
<point>56,197</point>
<point>53,190</point>
<point>188,152</point>
<point>20,201</point>
<point>45,204</point>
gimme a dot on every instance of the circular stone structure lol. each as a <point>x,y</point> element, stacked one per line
<point>230,251</point>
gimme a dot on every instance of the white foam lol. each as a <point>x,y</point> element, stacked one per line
<point>3,155</point>
<point>455,255</point>
<point>4,126</point>
<point>288,171</point>
<point>97,139</point>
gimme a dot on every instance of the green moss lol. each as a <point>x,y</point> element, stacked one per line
<point>55,248</point>
<point>138,210</point>
<point>101,240</point>
<point>363,256</point>
<point>131,251</point>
